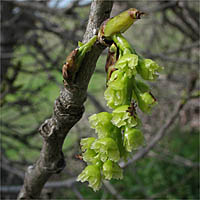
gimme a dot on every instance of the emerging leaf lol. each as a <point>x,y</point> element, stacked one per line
<point>122,44</point>
<point>83,49</point>
<point>117,132</point>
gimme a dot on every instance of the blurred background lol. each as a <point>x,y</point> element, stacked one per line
<point>36,37</point>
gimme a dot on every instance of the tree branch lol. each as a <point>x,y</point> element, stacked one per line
<point>175,159</point>
<point>53,184</point>
<point>68,110</point>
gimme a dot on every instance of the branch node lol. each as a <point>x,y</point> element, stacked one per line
<point>47,129</point>
<point>30,168</point>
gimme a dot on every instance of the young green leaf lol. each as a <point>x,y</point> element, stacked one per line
<point>83,49</point>
<point>118,132</point>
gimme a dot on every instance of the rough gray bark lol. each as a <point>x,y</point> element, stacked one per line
<point>68,110</point>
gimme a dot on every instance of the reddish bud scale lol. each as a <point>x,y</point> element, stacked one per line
<point>132,109</point>
<point>79,157</point>
<point>70,65</point>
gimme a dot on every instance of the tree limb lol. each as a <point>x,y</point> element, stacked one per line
<point>68,110</point>
<point>68,183</point>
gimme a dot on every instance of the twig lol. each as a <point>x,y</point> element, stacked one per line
<point>54,184</point>
<point>6,165</point>
<point>195,44</point>
<point>68,110</point>
<point>77,193</point>
<point>176,159</point>
<point>174,60</point>
<point>112,190</point>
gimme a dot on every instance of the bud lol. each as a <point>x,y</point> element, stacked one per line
<point>143,96</point>
<point>145,100</point>
<point>75,58</point>
<point>121,22</point>
<point>112,57</point>
<point>86,143</point>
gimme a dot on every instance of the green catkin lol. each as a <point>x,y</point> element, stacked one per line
<point>118,133</point>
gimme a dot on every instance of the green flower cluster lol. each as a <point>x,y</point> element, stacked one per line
<point>102,153</point>
<point>119,132</point>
